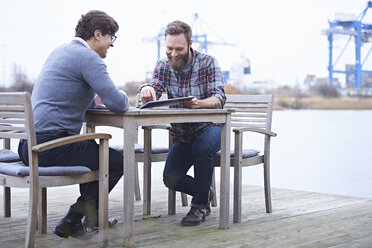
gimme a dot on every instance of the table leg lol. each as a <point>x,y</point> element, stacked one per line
<point>225,174</point>
<point>129,159</point>
<point>147,144</point>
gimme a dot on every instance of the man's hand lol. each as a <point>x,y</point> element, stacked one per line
<point>207,103</point>
<point>148,94</point>
<point>191,104</point>
<point>98,101</point>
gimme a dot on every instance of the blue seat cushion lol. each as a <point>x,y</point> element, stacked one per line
<point>8,156</point>
<point>138,148</point>
<point>21,170</point>
<point>246,153</point>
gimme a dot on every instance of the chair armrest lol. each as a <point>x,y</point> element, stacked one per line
<point>68,140</point>
<point>167,127</point>
<point>256,130</point>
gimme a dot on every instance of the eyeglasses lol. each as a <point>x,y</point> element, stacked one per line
<point>113,38</point>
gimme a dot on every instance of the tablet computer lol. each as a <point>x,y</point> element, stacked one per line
<point>165,102</point>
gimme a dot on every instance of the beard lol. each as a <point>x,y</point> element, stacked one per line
<point>182,60</point>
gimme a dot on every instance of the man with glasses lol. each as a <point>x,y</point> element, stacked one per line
<point>67,84</point>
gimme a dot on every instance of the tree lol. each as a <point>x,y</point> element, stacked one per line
<point>327,91</point>
<point>20,80</point>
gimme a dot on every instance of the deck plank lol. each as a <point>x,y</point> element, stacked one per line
<point>299,219</point>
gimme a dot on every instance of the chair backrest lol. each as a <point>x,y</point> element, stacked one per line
<point>254,111</point>
<point>16,118</point>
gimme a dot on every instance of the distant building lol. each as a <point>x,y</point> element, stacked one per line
<point>312,82</point>
<point>241,79</point>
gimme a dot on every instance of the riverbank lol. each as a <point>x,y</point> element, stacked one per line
<point>319,102</point>
<point>313,102</point>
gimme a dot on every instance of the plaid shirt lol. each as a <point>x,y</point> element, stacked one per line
<point>202,78</point>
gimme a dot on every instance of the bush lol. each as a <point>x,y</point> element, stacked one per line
<point>327,91</point>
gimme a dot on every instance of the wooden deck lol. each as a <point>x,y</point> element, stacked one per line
<point>299,219</point>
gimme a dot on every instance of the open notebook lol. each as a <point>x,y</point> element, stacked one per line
<point>165,102</point>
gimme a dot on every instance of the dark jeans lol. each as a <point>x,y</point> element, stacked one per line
<point>84,153</point>
<point>200,153</point>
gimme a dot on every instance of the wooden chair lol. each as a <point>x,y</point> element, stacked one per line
<point>16,121</point>
<point>253,113</point>
<point>147,158</point>
<point>6,155</point>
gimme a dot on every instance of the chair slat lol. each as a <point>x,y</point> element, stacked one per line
<point>248,105</point>
<point>20,115</point>
<point>253,110</point>
<point>12,128</point>
<point>12,98</point>
<point>249,115</point>
<point>236,124</point>
<point>12,121</point>
<point>246,98</point>
<point>12,135</point>
<point>12,108</point>
<point>248,120</point>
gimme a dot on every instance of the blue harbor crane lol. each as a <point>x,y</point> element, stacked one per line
<point>362,33</point>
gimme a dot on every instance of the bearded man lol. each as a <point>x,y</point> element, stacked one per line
<point>186,72</point>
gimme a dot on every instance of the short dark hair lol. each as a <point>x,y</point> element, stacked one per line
<point>179,27</point>
<point>95,20</point>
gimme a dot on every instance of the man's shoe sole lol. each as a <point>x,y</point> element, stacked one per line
<point>75,234</point>
<point>60,233</point>
<point>185,223</point>
<point>64,230</point>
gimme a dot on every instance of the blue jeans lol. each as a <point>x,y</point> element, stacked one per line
<point>83,153</point>
<point>200,153</point>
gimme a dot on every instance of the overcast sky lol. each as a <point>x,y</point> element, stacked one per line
<point>282,39</point>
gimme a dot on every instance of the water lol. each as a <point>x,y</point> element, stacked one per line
<point>323,151</point>
<point>315,150</point>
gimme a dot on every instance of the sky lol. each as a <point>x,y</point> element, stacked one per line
<point>282,39</point>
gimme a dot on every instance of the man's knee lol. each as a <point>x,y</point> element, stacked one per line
<point>203,149</point>
<point>170,182</point>
<point>115,160</point>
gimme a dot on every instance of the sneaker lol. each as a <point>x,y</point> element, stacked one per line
<point>195,216</point>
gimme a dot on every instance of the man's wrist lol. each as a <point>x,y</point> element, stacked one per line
<point>143,86</point>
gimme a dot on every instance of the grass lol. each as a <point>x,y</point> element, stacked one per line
<point>318,102</point>
<point>312,102</point>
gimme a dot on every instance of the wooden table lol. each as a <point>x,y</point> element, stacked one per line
<point>133,118</point>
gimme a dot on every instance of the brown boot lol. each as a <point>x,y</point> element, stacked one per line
<point>71,225</point>
<point>195,216</point>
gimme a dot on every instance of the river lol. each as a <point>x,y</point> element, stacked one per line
<point>327,151</point>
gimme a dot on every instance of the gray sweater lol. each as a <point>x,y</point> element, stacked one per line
<point>67,84</point>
